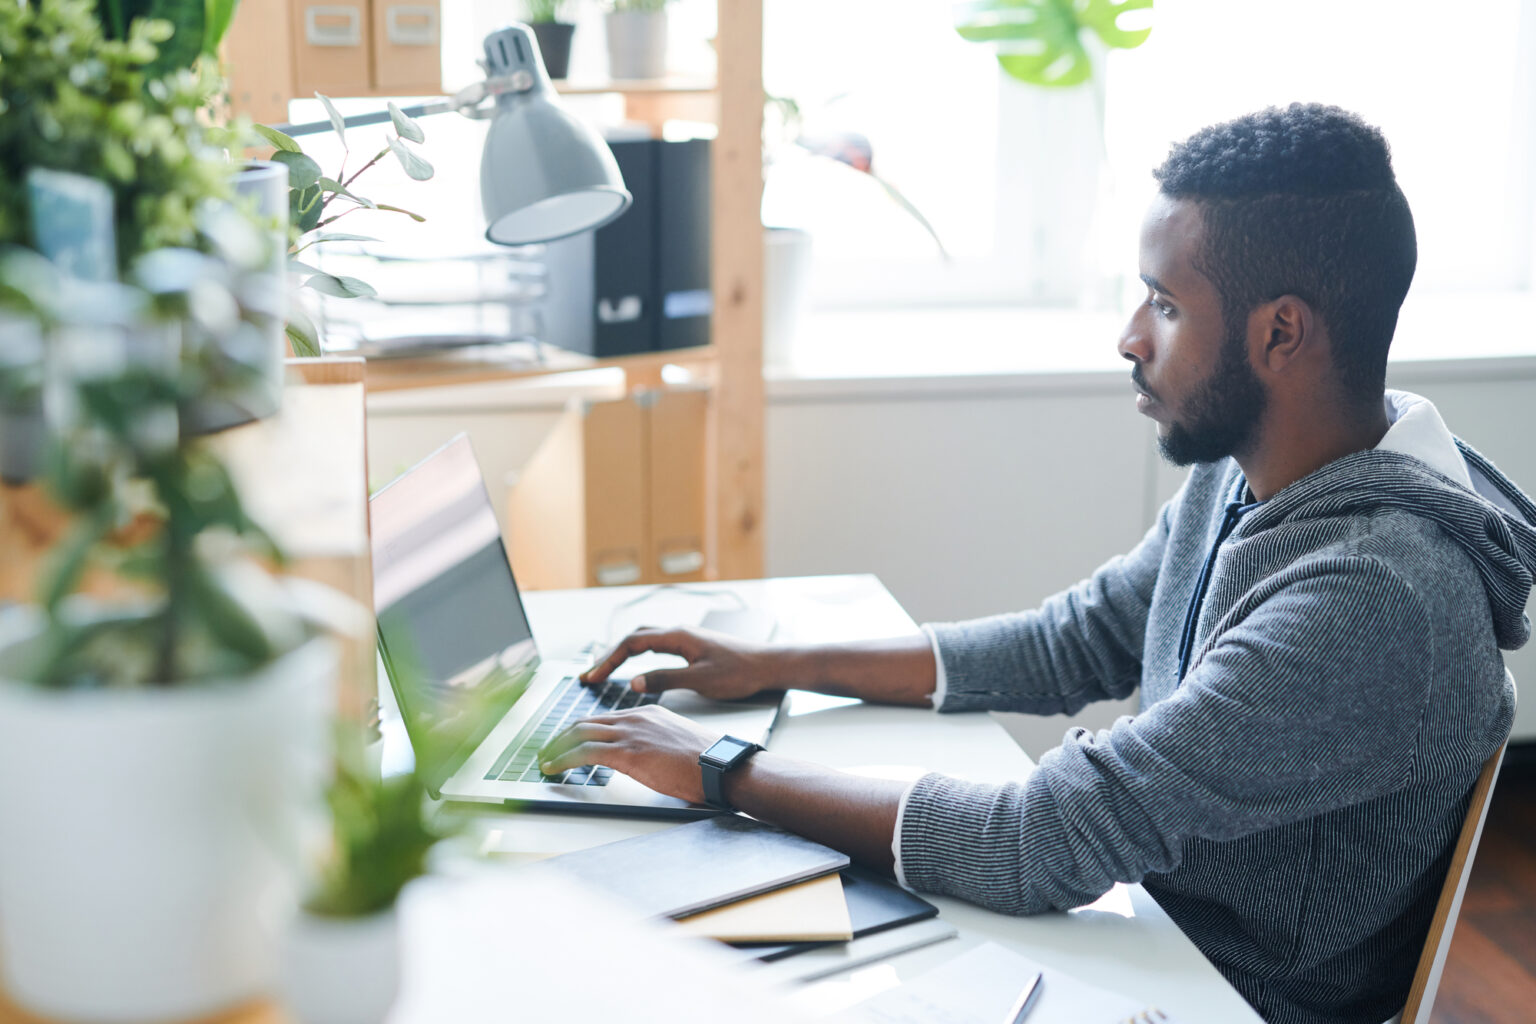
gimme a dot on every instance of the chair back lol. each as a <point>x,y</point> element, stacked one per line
<point>1421,996</point>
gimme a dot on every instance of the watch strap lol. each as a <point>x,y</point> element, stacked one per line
<point>713,771</point>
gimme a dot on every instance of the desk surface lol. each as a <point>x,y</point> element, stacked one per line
<point>1125,942</point>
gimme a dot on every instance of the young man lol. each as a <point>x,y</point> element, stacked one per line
<point>1314,621</point>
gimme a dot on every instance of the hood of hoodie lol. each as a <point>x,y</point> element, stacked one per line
<point>1493,521</point>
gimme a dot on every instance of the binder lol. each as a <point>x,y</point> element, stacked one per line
<point>683,243</point>
<point>624,311</point>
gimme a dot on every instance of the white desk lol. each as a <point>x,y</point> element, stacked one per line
<point>1145,956</point>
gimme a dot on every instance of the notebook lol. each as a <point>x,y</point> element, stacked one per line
<point>875,904</point>
<point>698,866</point>
<point>813,911</point>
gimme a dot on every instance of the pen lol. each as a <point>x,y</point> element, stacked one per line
<point>1026,1000</point>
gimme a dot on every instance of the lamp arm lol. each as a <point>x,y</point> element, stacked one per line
<point>469,101</point>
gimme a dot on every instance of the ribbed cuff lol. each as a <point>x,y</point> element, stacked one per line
<point>940,677</point>
<point>901,812</point>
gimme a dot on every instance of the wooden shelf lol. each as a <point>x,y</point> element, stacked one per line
<point>259,53</point>
<point>643,369</point>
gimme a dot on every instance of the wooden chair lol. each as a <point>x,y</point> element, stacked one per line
<point>1421,996</point>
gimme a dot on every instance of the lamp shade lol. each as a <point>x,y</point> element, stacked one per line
<point>544,174</point>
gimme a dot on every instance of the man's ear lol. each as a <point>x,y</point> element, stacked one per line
<point>1281,331</point>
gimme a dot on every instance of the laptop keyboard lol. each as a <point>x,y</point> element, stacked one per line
<point>520,761</point>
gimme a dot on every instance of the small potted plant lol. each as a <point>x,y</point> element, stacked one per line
<point>164,703</point>
<point>312,200</point>
<point>553,34</point>
<point>341,955</point>
<point>637,38</point>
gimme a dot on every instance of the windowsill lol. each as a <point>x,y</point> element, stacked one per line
<point>967,349</point>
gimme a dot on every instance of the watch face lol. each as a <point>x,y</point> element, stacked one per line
<point>726,750</point>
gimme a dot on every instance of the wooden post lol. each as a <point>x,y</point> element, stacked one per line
<point>736,434</point>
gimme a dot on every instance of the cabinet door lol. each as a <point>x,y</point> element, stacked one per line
<point>407,47</point>
<point>331,52</point>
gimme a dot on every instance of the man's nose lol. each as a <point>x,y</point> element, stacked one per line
<point>1133,343</point>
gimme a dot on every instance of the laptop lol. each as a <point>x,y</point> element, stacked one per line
<point>477,700</point>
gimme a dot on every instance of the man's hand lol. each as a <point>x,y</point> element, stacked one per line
<point>718,666</point>
<point>651,745</point>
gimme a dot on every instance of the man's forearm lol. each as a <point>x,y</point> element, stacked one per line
<point>900,670</point>
<point>850,813</point>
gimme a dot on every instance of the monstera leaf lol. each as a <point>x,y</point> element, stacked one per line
<point>1040,41</point>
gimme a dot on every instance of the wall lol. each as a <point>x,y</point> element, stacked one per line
<point>966,495</point>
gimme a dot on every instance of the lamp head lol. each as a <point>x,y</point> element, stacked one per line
<point>544,174</point>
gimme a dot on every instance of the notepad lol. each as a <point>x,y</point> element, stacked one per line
<point>813,911</point>
<point>699,866</point>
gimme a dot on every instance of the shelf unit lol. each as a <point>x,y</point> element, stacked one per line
<point>260,61</point>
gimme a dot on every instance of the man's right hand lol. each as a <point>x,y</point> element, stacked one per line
<point>719,667</point>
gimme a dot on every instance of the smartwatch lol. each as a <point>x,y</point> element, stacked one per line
<point>726,753</point>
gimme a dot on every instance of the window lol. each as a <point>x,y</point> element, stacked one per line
<point>1037,206</point>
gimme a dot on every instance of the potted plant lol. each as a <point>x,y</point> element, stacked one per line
<point>341,956</point>
<point>637,38</point>
<point>158,734</point>
<point>311,200</point>
<point>553,34</point>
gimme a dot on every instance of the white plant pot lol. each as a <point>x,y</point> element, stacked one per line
<point>150,836</point>
<point>787,256</point>
<point>341,970</point>
<point>637,44</point>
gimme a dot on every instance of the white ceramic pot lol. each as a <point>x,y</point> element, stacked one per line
<point>637,44</point>
<point>341,970</point>
<point>150,837</point>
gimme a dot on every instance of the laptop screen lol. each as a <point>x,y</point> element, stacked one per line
<point>452,630</point>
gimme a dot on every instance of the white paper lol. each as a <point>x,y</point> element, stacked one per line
<point>980,986</point>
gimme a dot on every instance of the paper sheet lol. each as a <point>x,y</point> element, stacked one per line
<point>979,987</point>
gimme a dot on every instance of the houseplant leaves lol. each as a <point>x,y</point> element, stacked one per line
<point>1040,41</point>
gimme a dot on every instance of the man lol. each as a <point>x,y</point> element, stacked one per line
<point>1314,620</point>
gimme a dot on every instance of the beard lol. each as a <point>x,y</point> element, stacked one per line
<point>1221,417</point>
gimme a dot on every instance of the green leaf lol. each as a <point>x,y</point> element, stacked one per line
<point>216,20</point>
<point>407,127</point>
<point>414,165</point>
<point>303,171</point>
<point>337,121</point>
<point>341,286</point>
<point>418,218</point>
<point>340,236</point>
<point>304,208</point>
<point>302,334</point>
<point>68,560</point>
<point>189,19</point>
<point>277,138</point>
<point>1103,16</point>
<point>1040,41</point>
<point>332,185</point>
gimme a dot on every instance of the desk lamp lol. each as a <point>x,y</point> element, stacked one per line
<point>544,174</point>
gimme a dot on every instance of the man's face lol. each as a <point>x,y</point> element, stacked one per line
<point>1191,376</point>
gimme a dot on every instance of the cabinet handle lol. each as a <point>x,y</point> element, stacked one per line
<point>679,563</point>
<point>333,25</point>
<point>411,25</point>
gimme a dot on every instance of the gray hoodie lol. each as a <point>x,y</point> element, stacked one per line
<point>1291,797</point>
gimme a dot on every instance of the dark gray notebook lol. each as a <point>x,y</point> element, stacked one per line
<point>698,866</point>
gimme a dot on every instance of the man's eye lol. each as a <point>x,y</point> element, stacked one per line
<point>1163,308</point>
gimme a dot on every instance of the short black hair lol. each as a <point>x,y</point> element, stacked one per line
<point>1302,201</point>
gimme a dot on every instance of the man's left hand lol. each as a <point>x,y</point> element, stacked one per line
<point>650,744</point>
